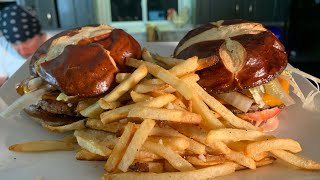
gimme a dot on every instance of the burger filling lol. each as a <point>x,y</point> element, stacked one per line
<point>259,104</point>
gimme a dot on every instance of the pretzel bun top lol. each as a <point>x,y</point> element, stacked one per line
<point>83,61</point>
<point>248,54</point>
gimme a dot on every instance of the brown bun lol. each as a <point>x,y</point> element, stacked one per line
<point>82,62</point>
<point>249,55</point>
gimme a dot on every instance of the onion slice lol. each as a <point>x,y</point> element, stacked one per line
<point>274,89</point>
<point>257,93</point>
<point>270,125</point>
<point>237,100</point>
<point>35,83</point>
<point>312,101</point>
<point>24,101</point>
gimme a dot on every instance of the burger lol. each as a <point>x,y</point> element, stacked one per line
<point>77,66</point>
<point>246,75</point>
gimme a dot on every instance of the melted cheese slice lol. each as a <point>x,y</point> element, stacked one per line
<point>272,101</point>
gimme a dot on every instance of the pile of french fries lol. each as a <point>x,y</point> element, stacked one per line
<point>158,123</point>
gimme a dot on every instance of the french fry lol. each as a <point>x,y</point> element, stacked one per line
<point>189,106</point>
<point>241,159</point>
<point>128,84</point>
<point>194,146</point>
<point>207,62</point>
<point>296,160</point>
<point>120,147</point>
<point>169,61</point>
<point>176,106</point>
<point>168,167</point>
<point>202,63</point>
<point>180,103</point>
<point>166,76</point>
<point>164,114</point>
<point>152,81</point>
<point>200,135</point>
<point>206,161</point>
<point>138,97</point>
<point>265,161</point>
<point>223,111</point>
<point>185,67</point>
<point>120,77</point>
<point>108,105</point>
<point>155,167</point>
<point>144,155</point>
<point>97,142</point>
<point>122,112</point>
<point>83,104</point>
<point>230,134</point>
<point>89,156</point>
<point>174,143</point>
<point>92,111</point>
<point>168,89</point>
<point>254,149</point>
<point>174,159</point>
<point>117,92</point>
<point>192,77</point>
<point>42,145</point>
<point>209,120</point>
<point>110,127</point>
<point>200,174</point>
<point>69,127</point>
<point>145,88</point>
<point>134,146</point>
<point>238,145</point>
<point>147,56</point>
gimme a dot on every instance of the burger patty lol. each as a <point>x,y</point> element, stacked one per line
<point>253,108</point>
<point>50,118</point>
<point>58,107</point>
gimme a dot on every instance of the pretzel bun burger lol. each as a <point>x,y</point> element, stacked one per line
<point>245,76</point>
<point>79,65</point>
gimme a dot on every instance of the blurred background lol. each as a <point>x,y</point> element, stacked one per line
<point>294,22</point>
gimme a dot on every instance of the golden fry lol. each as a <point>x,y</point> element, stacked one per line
<point>89,156</point>
<point>200,174</point>
<point>42,145</point>
<point>69,127</point>
<point>135,144</point>
<point>175,159</point>
<point>256,148</point>
<point>165,114</point>
<point>120,147</point>
<point>296,160</point>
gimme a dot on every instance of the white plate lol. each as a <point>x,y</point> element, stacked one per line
<point>295,123</point>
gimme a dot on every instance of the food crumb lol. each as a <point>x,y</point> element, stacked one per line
<point>170,106</point>
<point>14,158</point>
<point>160,141</point>
<point>202,158</point>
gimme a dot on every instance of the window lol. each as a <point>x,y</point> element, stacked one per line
<point>157,9</point>
<point>126,10</point>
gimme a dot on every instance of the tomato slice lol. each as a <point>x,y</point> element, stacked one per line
<point>261,115</point>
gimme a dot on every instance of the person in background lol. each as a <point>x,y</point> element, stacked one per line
<point>21,37</point>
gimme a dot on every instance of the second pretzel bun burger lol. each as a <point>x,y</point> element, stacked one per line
<point>246,73</point>
<point>80,64</point>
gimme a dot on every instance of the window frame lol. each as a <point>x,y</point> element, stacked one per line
<point>103,14</point>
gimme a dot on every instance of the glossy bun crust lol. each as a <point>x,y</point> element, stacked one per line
<point>249,55</point>
<point>83,61</point>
